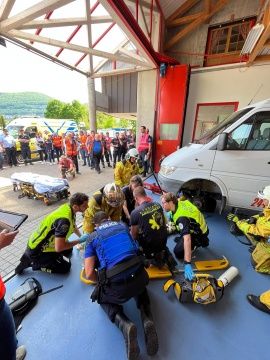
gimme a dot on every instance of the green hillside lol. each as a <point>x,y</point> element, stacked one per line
<point>23,104</point>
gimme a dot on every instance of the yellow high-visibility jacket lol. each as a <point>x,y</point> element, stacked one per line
<point>98,203</point>
<point>261,228</point>
<point>124,171</point>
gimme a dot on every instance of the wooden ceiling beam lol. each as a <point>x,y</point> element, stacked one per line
<point>219,5</point>
<point>263,39</point>
<point>208,4</point>
<point>266,44</point>
<point>184,20</point>
<point>261,58</point>
<point>181,10</point>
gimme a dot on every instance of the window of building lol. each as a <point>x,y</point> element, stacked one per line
<point>225,42</point>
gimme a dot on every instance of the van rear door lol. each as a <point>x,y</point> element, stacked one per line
<point>244,166</point>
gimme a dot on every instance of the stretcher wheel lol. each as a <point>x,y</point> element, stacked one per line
<point>47,201</point>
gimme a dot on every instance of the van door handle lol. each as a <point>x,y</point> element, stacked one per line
<point>268,162</point>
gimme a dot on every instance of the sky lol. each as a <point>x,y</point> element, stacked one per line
<point>21,70</point>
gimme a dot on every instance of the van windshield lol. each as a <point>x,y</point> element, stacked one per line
<point>219,128</point>
<point>14,130</point>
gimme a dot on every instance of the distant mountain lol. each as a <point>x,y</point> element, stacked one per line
<point>23,104</point>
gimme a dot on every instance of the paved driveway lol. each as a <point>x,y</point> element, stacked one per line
<point>87,182</point>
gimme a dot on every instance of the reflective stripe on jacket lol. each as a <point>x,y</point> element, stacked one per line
<point>43,238</point>
<point>186,208</point>
<point>71,147</point>
<point>261,228</point>
<point>57,141</point>
<point>143,142</point>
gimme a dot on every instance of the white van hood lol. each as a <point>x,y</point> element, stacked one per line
<point>186,150</point>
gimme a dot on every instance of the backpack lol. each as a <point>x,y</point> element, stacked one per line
<point>24,298</point>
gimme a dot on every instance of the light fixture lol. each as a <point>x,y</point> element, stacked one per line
<point>252,39</point>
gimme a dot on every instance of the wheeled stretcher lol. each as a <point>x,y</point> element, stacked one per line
<point>35,186</point>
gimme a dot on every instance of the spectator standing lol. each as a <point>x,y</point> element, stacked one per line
<point>71,149</point>
<point>131,141</point>
<point>98,151</point>
<point>24,141</point>
<point>116,148</point>
<point>106,153</point>
<point>8,143</point>
<point>123,146</point>
<point>49,149</point>
<point>41,147</point>
<point>108,145</point>
<point>145,148</point>
<point>90,142</point>
<point>57,144</point>
<point>83,148</point>
<point>63,143</point>
<point>78,144</point>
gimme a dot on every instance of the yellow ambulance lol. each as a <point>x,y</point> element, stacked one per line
<point>35,124</point>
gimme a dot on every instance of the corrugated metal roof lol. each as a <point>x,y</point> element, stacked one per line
<point>169,6</point>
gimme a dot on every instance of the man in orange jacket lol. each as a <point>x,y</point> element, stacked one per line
<point>57,143</point>
<point>83,148</point>
<point>71,150</point>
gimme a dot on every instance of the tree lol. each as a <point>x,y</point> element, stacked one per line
<point>2,121</point>
<point>54,109</point>
<point>68,112</point>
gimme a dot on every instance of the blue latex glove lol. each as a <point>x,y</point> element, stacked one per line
<point>189,274</point>
<point>83,238</point>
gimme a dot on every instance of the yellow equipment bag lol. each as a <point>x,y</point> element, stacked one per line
<point>260,258</point>
<point>203,290</point>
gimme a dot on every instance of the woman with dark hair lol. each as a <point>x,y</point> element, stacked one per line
<point>41,147</point>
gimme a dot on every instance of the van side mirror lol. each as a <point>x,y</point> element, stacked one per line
<point>222,141</point>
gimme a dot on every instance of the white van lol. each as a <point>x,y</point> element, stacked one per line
<point>229,163</point>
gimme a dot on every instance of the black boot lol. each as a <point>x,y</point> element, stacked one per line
<point>170,260</point>
<point>25,262</point>
<point>151,338</point>
<point>129,332</point>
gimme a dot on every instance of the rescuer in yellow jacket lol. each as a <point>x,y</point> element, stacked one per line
<point>109,199</point>
<point>191,226</point>
<point>257,227</point>
<point>128,167</point>
<point>48,244</point>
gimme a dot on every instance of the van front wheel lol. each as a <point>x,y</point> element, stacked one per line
<point>204,204</point>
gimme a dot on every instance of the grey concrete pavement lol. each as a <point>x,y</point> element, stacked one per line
<point>88,181</point>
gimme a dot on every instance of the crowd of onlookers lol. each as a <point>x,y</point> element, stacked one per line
<point>93,148</point>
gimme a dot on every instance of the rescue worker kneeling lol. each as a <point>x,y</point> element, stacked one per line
<point>120,276</point>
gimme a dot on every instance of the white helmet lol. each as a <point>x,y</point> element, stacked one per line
<point>132,153</point>
<point>264,193</point>
<point>113,195</point>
